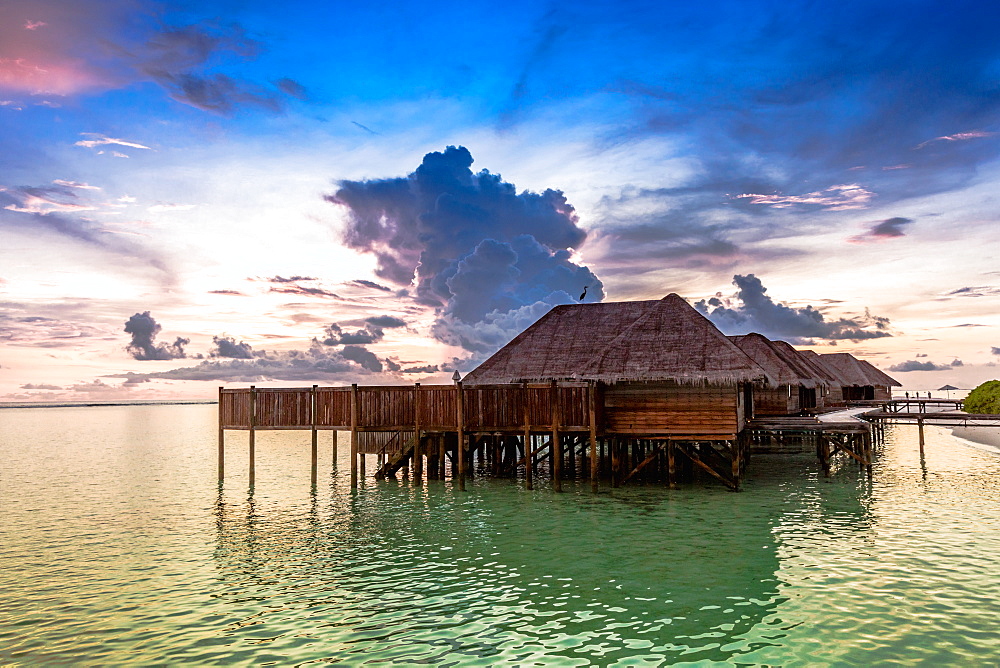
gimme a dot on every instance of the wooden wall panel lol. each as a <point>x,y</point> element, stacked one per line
<point>668,408</point>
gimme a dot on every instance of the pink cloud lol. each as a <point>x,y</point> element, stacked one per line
<point>34,25</point>
<point>835,198</point>
<point>959,136</point>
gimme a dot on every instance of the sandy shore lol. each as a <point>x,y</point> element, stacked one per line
<point>989,436</point>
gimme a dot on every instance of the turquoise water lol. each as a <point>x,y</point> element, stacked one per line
<point>117,546</point>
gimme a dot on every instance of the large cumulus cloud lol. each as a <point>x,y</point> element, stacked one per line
<point>476,249</point>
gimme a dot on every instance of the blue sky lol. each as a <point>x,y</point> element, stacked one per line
<point>267,193</point>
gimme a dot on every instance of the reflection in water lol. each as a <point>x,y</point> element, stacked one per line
<point>423,574</point>
<point>118,547</point>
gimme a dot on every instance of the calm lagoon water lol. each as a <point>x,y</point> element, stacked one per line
<point>117,546</point>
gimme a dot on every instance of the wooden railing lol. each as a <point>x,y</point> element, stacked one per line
<point>399,408</point>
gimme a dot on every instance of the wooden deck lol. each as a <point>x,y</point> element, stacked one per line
<point>616,434</point>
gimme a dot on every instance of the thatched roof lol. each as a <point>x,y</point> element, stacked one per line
<point>879,376</point>
<point>856,372</point>
<point>817,361</point>
<point>662,340</point>
<point>786,368</point>
<point>810,361</point>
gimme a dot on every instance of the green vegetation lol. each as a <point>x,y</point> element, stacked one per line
<point>985,399</point>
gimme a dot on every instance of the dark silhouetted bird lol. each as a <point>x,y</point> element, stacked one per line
<point>584,293</point>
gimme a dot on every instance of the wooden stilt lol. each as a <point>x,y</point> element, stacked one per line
<point>592,421</point>
<point>418,455</point>
<point>671,470</point>
<point>222,442</point>
<point>253,434</point>
<point>354,436</point>
<point>334,457</point>
<point>361,465</point>
<point>616,460</point>
<point>735,457</point>
<point>920,434</point>
<point>529,458</point>
<point>556,443</point>
<point>315,450</point>
<point>460,446</point>
<point>442,457</point>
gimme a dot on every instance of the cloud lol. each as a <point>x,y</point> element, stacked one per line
<point>889,228</point>
<point>226,346</point>
<point>37,331</point>
<point>290,279</point>
<point>360,282</point>
<point>959,136</point>
<point>834,198</point>
<point>995,351</point>
<point>92,45</point>
<point>101,140</point>
<point>973,291</point>
<point>471,242</point>
<point>755,311</point>
<point>40,386</point>
<point>387,321</point>
<point>363,357</point>
<point>56,208</point>
<point>336,336</point>
<point>317,363</point>
<point>143,346</point>
<point>235,293</point>
<point>429,368</point>
<point>913,365</point>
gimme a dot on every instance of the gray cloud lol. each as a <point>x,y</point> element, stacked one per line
<point>362,283</point>
<point>363,357</point>
<point>890,228</point>
<point>429,368</point>
<point>144,329</point>
<point>317,363</point>
<point>474,245</point>
<point>40,386</point>
<point>914,365</point>
<point>226,346</point>
<point>387,321</point>
<point>757,312</point>
<point>336,336</point>
<point>995,351</point>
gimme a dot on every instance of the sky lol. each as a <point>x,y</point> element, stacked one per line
<point>198,194</point>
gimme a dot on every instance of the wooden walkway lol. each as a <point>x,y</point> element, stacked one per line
<point>782,434</point>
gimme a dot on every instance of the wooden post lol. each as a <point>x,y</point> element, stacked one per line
<point>671,466</point>
<point>556,446</point>
<point>222,442</point>
<point>253,423</point>
<point>592,416</point>
<point>460,446</point>
<point>354,436</point>
<point>920,434</point>
<point>442,457</point>
<point>734,451</point>
<point>616,460</point>
<point>824,453</point>
<point>312,420</point>
<point>334,462</point>
<point>418,456</point>
<point>529,460</point>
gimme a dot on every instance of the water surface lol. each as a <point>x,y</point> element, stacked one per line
<point>117,545</point>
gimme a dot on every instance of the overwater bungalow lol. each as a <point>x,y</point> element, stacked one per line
<point>799,388</point>
<point>859,380</point>
<point>649,390</point>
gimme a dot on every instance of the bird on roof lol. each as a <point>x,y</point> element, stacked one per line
<point>584,293</point>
